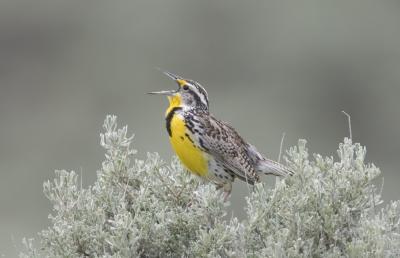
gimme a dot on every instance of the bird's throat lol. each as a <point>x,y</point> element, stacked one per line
<point>174,102</point>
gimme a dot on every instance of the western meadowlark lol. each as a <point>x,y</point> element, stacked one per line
<point>208,147</point>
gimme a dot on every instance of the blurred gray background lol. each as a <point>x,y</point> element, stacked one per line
<point>269,67</point>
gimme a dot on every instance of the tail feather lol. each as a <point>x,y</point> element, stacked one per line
<point>267,166</point>
<point>270,167</point>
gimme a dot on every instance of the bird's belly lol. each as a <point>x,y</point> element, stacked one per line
<point>194,159</point>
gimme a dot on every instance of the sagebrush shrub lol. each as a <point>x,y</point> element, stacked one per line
<point>148,208</point>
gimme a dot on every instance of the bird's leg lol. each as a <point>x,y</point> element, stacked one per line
<point>227,190</point>
<point>226,195</point>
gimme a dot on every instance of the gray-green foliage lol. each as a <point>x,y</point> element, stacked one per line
<point>147,208</point>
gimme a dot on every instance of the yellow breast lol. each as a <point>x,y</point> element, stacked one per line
<point>192,158</point>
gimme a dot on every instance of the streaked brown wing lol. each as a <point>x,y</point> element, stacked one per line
<point>228,147</point>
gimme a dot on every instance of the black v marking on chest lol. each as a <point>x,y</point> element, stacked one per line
<point>169,117</point>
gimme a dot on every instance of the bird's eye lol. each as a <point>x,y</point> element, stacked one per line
<point>185,87</point>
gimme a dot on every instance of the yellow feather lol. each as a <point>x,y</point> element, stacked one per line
<point>174,101</point>
<point>191,157</point>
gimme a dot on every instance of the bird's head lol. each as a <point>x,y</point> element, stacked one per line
<point>190,94</point>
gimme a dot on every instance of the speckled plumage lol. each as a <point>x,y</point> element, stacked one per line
<point>227,154</point>
<point>227,149</point>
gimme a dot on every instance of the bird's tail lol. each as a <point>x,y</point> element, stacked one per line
<point>267,166</point>
<point>270,167</point>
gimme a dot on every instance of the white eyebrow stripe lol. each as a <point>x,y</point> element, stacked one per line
<point>199,91</point>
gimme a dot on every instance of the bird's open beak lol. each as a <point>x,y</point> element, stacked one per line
<point>163,92</point>
<point>179,80</point>
<point>171,75</point>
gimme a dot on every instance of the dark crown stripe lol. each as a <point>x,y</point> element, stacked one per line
<point>200,89</point>
<point>198,101</point>
<point>203,92</point>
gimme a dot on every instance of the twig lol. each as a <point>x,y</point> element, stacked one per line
<point>383,182</point>
<point>349,120</point>
<point>165,184</point>
<point>181,190</point>
<point>277,179</point>
<point>281,146</point>
<point>260,236</point>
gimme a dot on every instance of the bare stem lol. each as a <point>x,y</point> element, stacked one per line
<point>281,146</point>
<point>349,121</point>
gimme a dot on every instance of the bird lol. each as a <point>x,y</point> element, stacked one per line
<point>209,147</point>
